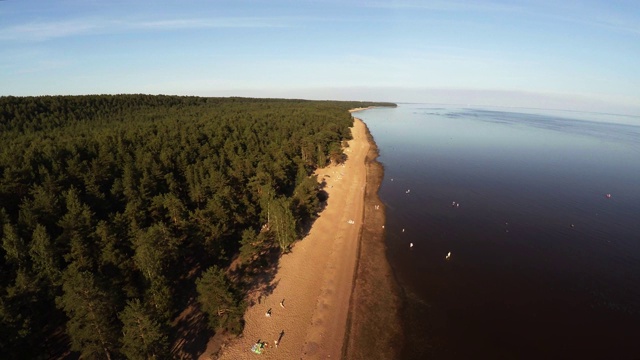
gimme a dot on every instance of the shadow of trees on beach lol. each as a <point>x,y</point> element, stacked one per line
<point>322,196</point>
<point>256,277</point>
<point>192,331</point>
<point>253,272</point>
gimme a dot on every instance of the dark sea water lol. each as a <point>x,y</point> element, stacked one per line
<point>543,265</point>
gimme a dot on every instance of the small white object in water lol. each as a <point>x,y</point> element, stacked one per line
<point>402,230</point>
<point>448,255</point>
<point>410,245</point>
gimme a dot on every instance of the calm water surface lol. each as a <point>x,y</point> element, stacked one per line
<point>543,265</point>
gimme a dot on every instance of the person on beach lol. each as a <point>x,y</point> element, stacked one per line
<point>259,347</point>
<point>268,313</point>
<point>282,303</point>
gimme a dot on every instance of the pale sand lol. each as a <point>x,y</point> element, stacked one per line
<point>316,277</point>
<point>360,109</point>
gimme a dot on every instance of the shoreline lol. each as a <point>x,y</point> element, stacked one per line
<point>362,109</point>
<point>374,329</point>
<point>342,300</point>
<point>316,279</point>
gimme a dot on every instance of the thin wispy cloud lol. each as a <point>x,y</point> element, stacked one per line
<point>38,31</point>
<point>80,46</point>
<point>41,31</point>
<point>452,5</point>
<point>243,22</point>
<point>45,66</point>
<point>611,23</point>
<point>577,13</point>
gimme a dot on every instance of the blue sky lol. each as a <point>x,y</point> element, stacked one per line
<point>578,55</point>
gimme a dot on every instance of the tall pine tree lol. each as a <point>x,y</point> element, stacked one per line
<point>220,300</point>
<point>282,222</point>
<point>91,313</point>
<point>142,336</point>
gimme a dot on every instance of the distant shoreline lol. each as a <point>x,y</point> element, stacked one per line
<point>362,109</point>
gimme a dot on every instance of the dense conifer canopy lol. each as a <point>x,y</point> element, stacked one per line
<point>111,208</point>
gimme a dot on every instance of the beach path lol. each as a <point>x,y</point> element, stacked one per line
<point>315,279</point>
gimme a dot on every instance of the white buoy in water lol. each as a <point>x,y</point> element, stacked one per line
<point>410,245</point>
<point>448,255</point>
<point>402,230</point>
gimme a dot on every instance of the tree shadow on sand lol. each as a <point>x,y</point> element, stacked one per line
<point>193,332</point>
<point>256,277</point>
<point>323,197</point>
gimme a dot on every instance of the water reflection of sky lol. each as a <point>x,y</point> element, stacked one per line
<point>540,169</point>
<point>538,173</point>
<point>553,114</point>
<point>492,142</point>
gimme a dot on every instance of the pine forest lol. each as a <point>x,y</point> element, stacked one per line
<point>118,212</point>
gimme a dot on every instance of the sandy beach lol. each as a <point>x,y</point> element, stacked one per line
<point>316,278</point>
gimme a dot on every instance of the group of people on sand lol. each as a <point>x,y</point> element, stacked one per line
<point>268,313</point>
<point>260,345</point>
